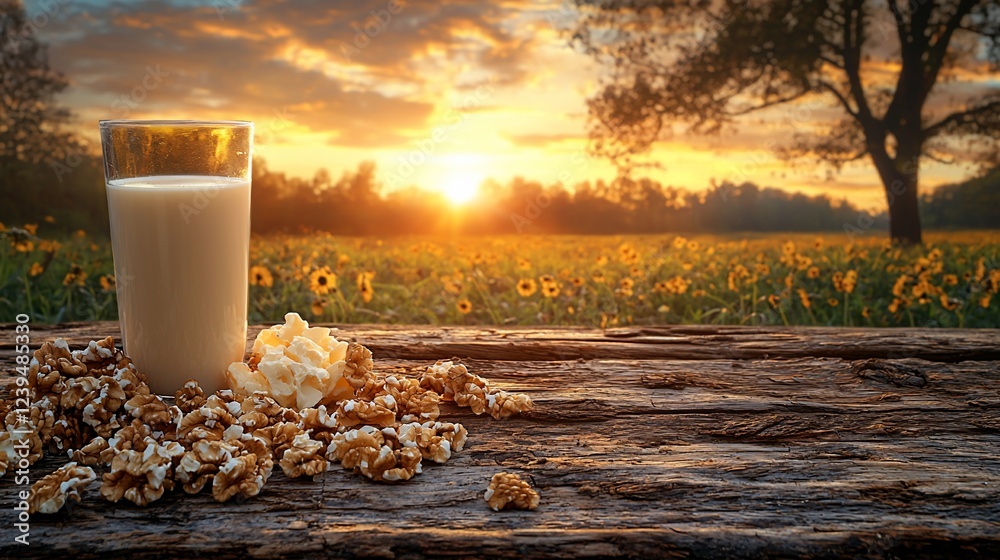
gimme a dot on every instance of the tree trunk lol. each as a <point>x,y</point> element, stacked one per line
<point>899,177</point>
<point>904,208</point>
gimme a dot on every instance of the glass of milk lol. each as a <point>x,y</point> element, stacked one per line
<point>179,203</point>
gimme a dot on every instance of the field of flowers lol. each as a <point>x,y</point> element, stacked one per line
<point>555,280</point>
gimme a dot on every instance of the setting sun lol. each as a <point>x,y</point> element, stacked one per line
<point>460,187</point>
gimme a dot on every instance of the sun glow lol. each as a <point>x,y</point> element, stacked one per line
<point>459,187</point>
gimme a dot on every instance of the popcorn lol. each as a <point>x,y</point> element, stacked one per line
<point>297,365</point>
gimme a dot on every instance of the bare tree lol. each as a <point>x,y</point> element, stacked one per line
<point>706,63</point>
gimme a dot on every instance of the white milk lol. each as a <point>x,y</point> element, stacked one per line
<point>181,248</point>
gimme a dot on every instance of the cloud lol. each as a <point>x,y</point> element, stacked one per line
<point>364,73</point>
<point>541,140</point>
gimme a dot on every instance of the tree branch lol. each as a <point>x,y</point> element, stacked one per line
<point>840,97</point>
<point>962,117</point>
<point>767,104</point>
<point>853,37</point>
<point>831,62</point>
<point>901,29</point>
<point>930,155</point>
<point>937,51</point>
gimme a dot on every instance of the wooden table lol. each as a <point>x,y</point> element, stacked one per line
<point>688,441</point>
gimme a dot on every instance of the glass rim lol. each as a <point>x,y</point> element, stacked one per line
<point>167,122</point>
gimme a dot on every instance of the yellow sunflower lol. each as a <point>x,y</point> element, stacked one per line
<point>24,246</point>
<point>550,290</point>
<point>108,282</point>
<point>364,281</point>
<point>464,306</point>
<point>318,306</point>
<point>321,280</point>
<point>526,287</point>
<point>36,269</point>
<point>948,303</point>
<point>76,275</point>
<point>625,287</point>
<point>804,298</point>
<point>261,276</point>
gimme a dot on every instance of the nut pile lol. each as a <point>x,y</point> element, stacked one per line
<point>302,402</point>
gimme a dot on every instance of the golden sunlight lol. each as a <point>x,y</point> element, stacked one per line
<point>460,185</point>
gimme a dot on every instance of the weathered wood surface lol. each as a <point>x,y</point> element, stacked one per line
<point>750,442</point>
<point>678,342</point>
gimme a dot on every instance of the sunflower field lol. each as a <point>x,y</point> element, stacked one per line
<point>951,281</point>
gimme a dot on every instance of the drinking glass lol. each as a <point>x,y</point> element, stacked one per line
<point>179,205</point>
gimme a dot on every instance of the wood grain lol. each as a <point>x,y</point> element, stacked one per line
<point>705,457</point>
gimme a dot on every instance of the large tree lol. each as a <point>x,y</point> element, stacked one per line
<point>31,121</point>
<point>881,63</point>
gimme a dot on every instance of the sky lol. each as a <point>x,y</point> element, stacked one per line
<point>438,94</point>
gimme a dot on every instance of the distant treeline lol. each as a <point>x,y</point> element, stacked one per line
<point>355,204</point>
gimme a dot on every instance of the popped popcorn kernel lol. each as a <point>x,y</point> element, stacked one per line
<point>297,365</point>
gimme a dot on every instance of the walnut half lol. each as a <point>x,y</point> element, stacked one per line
<point>509,491</point>
<point>49,494</point>
<point>141,477</point>
<point>304,457</point>
<point>454,382</point>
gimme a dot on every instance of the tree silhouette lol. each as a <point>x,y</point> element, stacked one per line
<point>30,118</point>
<point>706,63</point>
